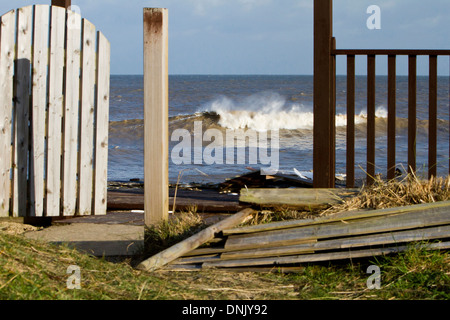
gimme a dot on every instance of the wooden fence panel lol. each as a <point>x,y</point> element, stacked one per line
<point>6,111</point>
<point>53,69</point>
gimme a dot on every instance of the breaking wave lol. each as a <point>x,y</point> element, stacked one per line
<point>270,111</point>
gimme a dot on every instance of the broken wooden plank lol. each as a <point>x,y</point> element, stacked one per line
<point>411,220</point>
<point>204,200</point>
<point>307,258</point>
<point>193,242</point>
<point>299,198</point>
<point>342,243</point>
<point>196,260</point>
<point>344,216</point>
<point>198,267</point>
<point>223,250</point>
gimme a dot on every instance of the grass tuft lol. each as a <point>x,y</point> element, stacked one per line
<point>396,193</point>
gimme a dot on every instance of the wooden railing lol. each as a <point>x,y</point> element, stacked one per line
<point>325,53</point>
<point>391,103</point>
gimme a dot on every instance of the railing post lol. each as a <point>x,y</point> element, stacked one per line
<point>432,121</point>
<point>62,3</point>
<point>392,76</point>
<point>324,110</point>
<point>156,115</point>
<point>370,119</point>
<point>412,113</point>
<point>350,121</point>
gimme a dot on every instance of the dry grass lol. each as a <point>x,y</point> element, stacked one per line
<point>177,228</point>
<point>382,194</point>
<point>397,193</point>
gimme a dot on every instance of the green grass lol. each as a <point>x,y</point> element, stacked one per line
<point>36,270</point>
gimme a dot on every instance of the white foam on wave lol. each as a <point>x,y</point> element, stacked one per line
<point>270,111</point>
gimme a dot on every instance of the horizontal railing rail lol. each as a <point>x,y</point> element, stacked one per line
<point>397,52</point>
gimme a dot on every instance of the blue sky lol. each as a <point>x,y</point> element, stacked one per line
<point>263,36</point>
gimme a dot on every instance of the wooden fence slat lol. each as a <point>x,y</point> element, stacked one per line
<point>7,52</point>
<point>432,121</point>
<point>55,111</point>
<point>22,116</point>
<point>370,118</point>
<point>102,126</point>
<point>392,87</point>
<point>156,114</point>
<point>85,182</point>
<point>350,121</point>
<point>71,110</point>
<point>412,102</point>
<point>39,101</point>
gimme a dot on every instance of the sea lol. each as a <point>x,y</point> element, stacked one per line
<point>275,112</point>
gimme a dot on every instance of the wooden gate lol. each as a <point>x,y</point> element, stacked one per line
<point>54,113</point>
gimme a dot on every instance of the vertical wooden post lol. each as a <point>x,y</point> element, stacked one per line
<point>370,119</point>
<point>156,115</point>
<point>391,116</point>
<point>62,3</point>
<point>324,111</point>
<point>432,121</point>
<point>412,102</point>
<point>350,121</point>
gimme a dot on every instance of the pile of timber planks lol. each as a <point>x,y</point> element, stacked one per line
<point>348,235</point>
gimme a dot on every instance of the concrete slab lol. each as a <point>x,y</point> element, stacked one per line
<point>93,238</point>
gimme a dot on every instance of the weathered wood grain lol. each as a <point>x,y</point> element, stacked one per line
<point>22,113</point>
<point>300,198</point>
<point>39,103</point>
<point>101,127</point>
<point>156,115</point>
<point>193,242</point>
<point>55,110</point>
<point>411,220</point>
